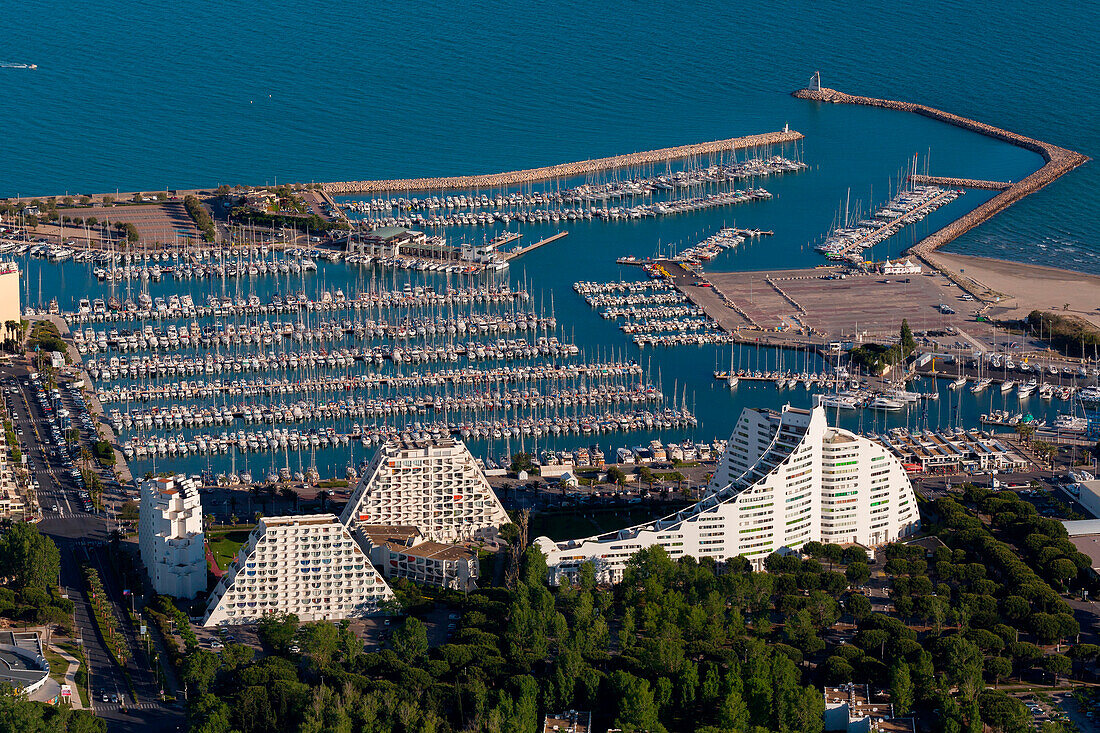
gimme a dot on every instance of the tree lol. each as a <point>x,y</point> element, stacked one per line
<point>908,343</point>
<point>857,573</point>
<point>277,629</point>
<point>129,511</point>
<point>199,669</point>
<point>1025,430</point>
<point>1063,570</point>
<point>859,606</point>
<point>29,557</point>
<point>997,668</point>
<point>410,641</point>
<point>616,475</point>
<point>637,707</point>
<point>1058,665</point>
<point>901,688</point>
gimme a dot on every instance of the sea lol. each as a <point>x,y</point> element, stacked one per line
<point>151,96</point>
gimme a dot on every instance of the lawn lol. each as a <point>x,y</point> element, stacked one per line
<point>224,545</point>
<point>583,522</point>
<point>77,653</point>
<point>58,665</point>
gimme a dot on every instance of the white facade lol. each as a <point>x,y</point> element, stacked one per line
<point>170,536</point>
<point>306,565</point>
<point>435,486</point>
<point>900,268</point>
<point>785,479</point>
<point>9,295</point>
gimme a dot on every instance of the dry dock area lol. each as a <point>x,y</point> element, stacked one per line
<point>802,301</point>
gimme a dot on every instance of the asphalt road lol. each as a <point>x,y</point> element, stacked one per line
<point>81,537</point>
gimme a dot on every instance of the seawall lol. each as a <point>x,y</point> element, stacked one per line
<point>1059,161</point>
<point>562,170</point>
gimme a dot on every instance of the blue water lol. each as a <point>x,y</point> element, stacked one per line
<point>222,93</point>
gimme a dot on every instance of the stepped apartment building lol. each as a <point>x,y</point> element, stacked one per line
<point>305,565</point>
<point>433,485</point>
<point>785,479</point>
<point>170,536</point>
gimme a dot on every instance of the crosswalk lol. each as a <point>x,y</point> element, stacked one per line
<point>108,706</point>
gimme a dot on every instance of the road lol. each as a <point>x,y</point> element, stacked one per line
<point>82,537</point>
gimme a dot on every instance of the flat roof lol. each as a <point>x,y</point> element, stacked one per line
<point>1079,527</point>
<point>438,551</point>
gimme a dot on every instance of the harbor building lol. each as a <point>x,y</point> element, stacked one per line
<point>786,478</point>
<point>306,565</point>
<point>952,451</point>
<point>170,536</point>
<point>900,268</point>
<point>433,485</point>
<point>9,296</point>
<point>402,552</point>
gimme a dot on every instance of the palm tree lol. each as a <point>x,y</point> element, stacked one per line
<point>1025,431</point>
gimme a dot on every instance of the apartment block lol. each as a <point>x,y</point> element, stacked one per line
<point>433,485</point>
<point>306,565</point>
<point>786,478</point>
<point>170,536</point>
<point>402,552</point>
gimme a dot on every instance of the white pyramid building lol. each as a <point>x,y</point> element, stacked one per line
<point>432,485</point>
<point>306,565</point>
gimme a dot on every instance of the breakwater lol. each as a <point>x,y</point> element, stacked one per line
<point>960,182</point>
<point>563,170</point>
<point>1059,161</point>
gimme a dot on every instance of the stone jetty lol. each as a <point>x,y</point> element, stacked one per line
<point>960,182</point>
<point>562,170</point>
<point>1059,161</point>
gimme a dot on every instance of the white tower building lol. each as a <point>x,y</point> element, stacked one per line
<point>306,565</point>
<point>170,536</point>
<point>785,479</point>
<point>9,296</point>
<point>432,485</point>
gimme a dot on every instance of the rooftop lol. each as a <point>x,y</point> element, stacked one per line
<point>438,551</point>
<point>570,721</point>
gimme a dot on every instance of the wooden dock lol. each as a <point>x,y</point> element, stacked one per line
<point>534,245</point>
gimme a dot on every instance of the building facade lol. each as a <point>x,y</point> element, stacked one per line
<point>434,485</point>
<point>306,565</point>
<point>402,552</point>
<point>170,536</point>
<point>10,310</point>
<point>785,479</point>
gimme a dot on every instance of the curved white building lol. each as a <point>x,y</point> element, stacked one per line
<point>433,485</point>
<point>785,479</point>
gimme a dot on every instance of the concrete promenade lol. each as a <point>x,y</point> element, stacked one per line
<point>562,170</point>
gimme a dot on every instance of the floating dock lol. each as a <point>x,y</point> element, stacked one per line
<point>533,246</point>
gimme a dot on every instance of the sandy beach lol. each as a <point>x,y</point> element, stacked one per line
<point>1024,288</point>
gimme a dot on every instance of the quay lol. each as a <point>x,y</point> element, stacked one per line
<point>949,182</point>
<point>562,170</point>
<point>533,246</point>
<point>1059,161</point>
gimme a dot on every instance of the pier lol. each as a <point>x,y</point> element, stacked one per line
<point>960,182</point>
<point>562,170</point>
<point>1059,161</point>
<point>533,246</point>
